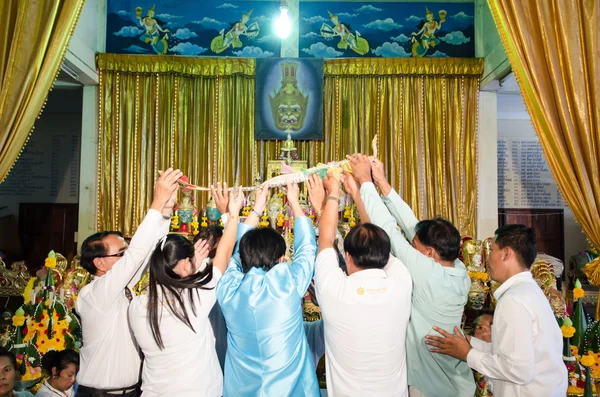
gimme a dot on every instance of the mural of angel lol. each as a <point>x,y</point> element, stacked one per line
<point>426,35</point>
<point>232,37</point>
<point>356,43</point>
<point>153,31</point>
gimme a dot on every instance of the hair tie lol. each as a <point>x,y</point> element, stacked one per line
<point>162,242</point>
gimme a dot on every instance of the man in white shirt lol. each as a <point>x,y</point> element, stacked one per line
<point>524,358</point>
<point>366,313</point>
<point>110,360</point>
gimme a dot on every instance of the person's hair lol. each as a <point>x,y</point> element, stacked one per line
<point>261,248</point>
<point>213,235</point>
<point>440,235</point>
<point>162,262</point>
<point>521,239</point>
<point>369,246</point>
<point>11,356</point>
<point>60,360</point>
<point>93,247</point>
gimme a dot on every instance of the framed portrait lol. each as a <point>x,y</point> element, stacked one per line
<point>289,99</point>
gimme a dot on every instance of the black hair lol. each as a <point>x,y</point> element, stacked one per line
<point>212,235</point>
<point>93,247</point>
<point>440,235</point>
<point>261,248</point>
<point>60,360</point>
<point>161,264</point>
<point>478,319</point>
<point>369,246</point>
<point>521,239</point>
<point>11,356</point>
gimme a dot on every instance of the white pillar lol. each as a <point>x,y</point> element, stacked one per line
<point>88,169</point>
<point>487,164</point>
<point>289,46</point>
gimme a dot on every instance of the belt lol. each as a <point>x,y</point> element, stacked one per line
<point>112,392</point>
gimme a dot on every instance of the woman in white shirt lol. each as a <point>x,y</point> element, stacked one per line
<point>170,317</point>
<point>62,367</point>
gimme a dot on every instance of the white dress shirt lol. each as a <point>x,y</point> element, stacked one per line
<point>109,355</point>
<point>188,365</point>
<point>46,390</point>
<point>525,356</point>
<point>365,317</point>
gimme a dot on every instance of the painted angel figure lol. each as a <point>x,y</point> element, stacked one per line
<point>153,31</point>
<point>427,37</point>
<point>356,43</point>
<point>232,37</point>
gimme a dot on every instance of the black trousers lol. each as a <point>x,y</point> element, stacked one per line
<point>84,391</point>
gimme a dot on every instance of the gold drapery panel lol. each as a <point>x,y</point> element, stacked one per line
<point>34,35</point>
<point>553,47</point>
<point>203,123</point>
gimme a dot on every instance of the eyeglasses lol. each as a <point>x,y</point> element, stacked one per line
<point>117,255</point>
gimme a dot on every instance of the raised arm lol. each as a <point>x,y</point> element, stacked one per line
<point>352,189</point>
<point>401,211</point>
<point>227,243</point>
<point>260,204</point>
<point>305,246</point>
<point>154,226</point>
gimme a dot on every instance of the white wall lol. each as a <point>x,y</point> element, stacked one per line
<point>514,121</point>
<point>487,166</point>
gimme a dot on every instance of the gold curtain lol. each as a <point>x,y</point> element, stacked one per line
<point>34,35</point>
<point>554,49</point>
<point>425,111</point>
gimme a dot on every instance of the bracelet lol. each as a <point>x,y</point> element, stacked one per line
<point>319,213</point>
<point>255,212</point>
<point>165,217</point>
<point>333,198</point>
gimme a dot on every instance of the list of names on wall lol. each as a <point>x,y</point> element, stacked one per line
<point>47,170</point>
<point>524,180</point>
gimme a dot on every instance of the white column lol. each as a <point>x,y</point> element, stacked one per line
<point>487,164</point>
<point>289,46</point>
<point>88,169</point>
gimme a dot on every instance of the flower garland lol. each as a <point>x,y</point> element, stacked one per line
<point>483,276</point>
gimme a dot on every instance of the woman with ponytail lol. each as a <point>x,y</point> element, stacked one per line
<point>169,316</point>
<point>62,367</point>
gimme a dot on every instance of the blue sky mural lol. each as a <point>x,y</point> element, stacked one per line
<point>349,29</point>
<point>192,28</point>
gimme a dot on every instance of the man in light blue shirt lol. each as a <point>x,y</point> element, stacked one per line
<point>440,282</point>
<point>261,298</point>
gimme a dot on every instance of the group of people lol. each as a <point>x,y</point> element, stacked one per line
<point>390,319</point>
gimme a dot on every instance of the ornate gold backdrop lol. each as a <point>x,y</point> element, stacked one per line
<point>197,114</point>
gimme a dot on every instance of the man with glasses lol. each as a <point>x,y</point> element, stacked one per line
<point>110,361</point>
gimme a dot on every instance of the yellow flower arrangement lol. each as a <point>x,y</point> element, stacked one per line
<point>483,276</point>
<point>18,321</point>
<point>587,360</point>
<point>204,221</point>
<point>568,332</point>
<point>575,351</point>
<point>29,288</point>
<point>50,263</point>
<point>175,222</point>
<point>578,293</point>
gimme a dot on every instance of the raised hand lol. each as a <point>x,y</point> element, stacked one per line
<point>165,188</point>
<point>332,186</point>
<point>220,196</point>
<point>379,176</point>
<point>316,192</point>
<point>361,167</point>
<point>201,251</point>
<point>293,193</point>
<point>236,201</point>
<point>350,186</point>
<point>261,198</point>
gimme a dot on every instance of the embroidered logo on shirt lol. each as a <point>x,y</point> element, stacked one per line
<point>360,290</point>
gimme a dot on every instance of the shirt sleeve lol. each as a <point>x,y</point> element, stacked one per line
<point>480,345</point>
<point>420,266</point>
<point>513,357</point>
<point>402,213</point>
<point>106,289</point>
<point>305,250</point>
<point>328,275</point>
<point>234,274</point>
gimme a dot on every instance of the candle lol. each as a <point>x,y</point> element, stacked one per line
<point>32,296</point>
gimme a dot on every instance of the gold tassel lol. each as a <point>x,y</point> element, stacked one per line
<point>592,272</point>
